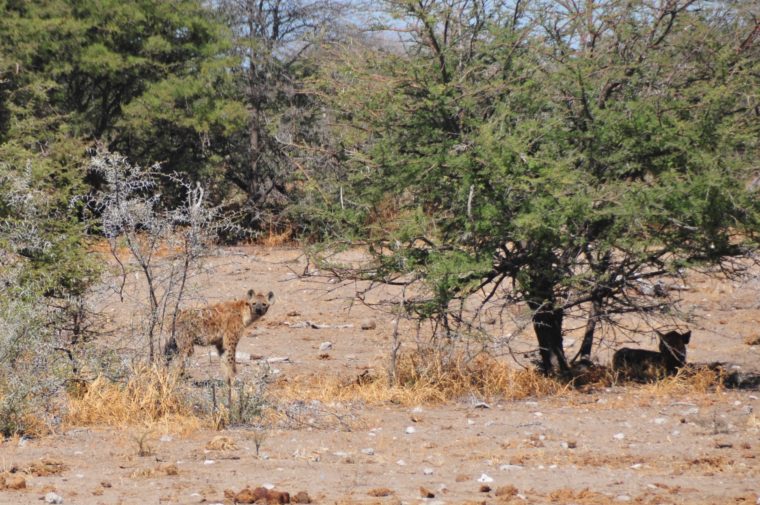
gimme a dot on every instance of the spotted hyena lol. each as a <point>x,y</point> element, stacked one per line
<point>642,364</point>
<point>220,325</point>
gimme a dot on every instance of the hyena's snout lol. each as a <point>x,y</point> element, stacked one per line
<point>260,310</point>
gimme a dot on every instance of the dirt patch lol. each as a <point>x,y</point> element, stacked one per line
<point>349,439</point>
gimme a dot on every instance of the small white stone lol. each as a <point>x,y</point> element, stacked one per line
<point>505,468</point>
<point>325,346</point>
<point>410,429</point>
<point>401,462</point>
<point>427,471</point>
<point>268,486</point>
<point>369,451</point>
<point>166,438</point>
<point>53,498</point>
<point>470,422</point>
<point>636,466</point>
<point>538,414</point>
<point>209,462</point>
<point>485,479</point>
<point>660,420</point>
<point>618,436</point>
<point>623,497</point>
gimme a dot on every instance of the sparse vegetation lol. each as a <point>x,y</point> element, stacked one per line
<point>422,381</point>
<point>468,206</point>
<point>150,396</point>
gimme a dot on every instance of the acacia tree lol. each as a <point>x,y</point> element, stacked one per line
<point>558,154</point>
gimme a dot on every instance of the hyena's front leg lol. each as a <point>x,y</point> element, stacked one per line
<point>229,369</point>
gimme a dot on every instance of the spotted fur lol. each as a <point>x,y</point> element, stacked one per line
<point>221,325</point>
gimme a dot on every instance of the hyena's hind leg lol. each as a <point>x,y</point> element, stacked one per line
<point>177,352</point>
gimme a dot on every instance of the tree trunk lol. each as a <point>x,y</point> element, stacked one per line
<point>588,335</point>
<point>547,323</point>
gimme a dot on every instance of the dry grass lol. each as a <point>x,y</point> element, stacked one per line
<point>46,467</point>
<point>687,381</point>
<point>277,238</point>
<point>151,397</point>
<point>169,470</point>
<point>103,247</point>
<point>424,380</point>
<point>753,339</point>
<point>221,443</point>
<point>584,496</point>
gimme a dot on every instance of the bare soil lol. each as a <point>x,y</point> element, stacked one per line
<point>612,445</point>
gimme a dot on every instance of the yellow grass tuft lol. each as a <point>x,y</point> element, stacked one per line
<point>221,443</point>
<point>699,380</point>
<point>277,238</point>
<point>427,380</point>
<point>151,397</point>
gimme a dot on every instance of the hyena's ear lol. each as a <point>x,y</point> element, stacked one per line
<point>686,337</point>
<point>251,293</point>
<point>270,297</point>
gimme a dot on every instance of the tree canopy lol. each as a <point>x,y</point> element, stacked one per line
<point>554,153</point>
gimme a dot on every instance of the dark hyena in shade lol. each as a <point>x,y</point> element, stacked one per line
<point>641,364</point>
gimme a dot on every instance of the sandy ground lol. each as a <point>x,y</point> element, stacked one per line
<point>615,445</point>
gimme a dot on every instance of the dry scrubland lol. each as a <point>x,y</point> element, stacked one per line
<point>479,431</point>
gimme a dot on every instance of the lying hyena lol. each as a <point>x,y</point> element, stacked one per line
<point>641,364</point>
<point>220,325</point>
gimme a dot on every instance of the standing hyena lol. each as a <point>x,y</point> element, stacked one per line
<point>641,364</point>
<point>220,325</point>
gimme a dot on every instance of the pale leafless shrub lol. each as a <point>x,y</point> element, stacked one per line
<point>165,238</point>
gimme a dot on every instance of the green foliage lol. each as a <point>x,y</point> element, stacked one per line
<point>572,159</point>
<point>148,78</point>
